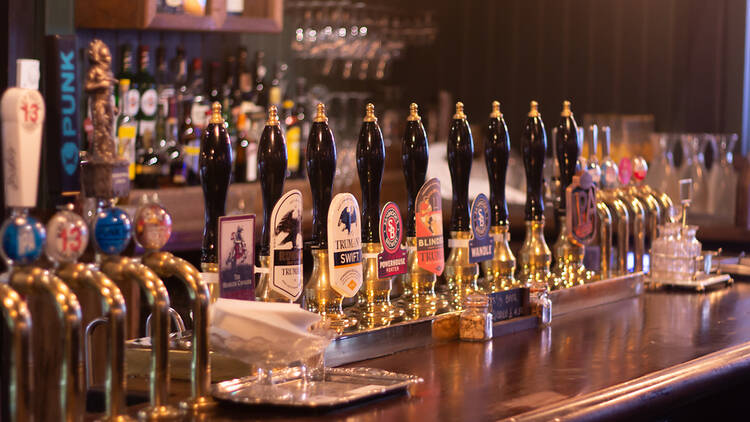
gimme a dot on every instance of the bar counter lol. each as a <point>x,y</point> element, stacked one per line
<point>612,361</point>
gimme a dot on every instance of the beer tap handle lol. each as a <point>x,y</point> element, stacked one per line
<point>272,162</point>
<point>414,158</point>
<point>23,111</point>
<point>496,154</point>
<point>534,146</point>
<point>321,168</point>
<point>567,151</point>
<point>370,165</point>
<point>460,156</point>
<point>215,169</point>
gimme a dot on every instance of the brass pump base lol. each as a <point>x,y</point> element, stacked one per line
<point>320,296</point>
<point>569,269</point>
<point>535,258</point>
<point>419,297</point>
<point>498,271</point>
<point>374,299</point>
<point>460,274</point>
<point>263,291</point>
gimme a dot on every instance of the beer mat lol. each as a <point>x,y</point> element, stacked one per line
<point>336,388</point>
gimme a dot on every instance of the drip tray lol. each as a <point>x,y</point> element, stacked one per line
<point>511,312</point>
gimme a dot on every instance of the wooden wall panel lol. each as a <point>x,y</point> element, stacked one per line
<point>676,59</point>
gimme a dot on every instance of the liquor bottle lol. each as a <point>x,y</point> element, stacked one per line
<point>189,140</point>
<point>235,7</point>
<point>260,94</point>
<point>293,135</point>
<point>180,70</point>
<point>174,153</point>
<point>300,111</point>
<point>275,91</point>
<point>199,106</point>
<point>126,129</point>
<point>244,77</point>
<point>229,86</point>
<point>146,117</point>
<point>214,83</point>
<point>126,72</point>
<point>174,7</point>
<point>460,274</point>
<point>240,160</point>
<point>164,82</point>
<point>215,172</point>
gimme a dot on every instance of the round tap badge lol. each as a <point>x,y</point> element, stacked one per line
<point>23,239</point>
<point>640,169</point>
<point>68,237</point>
<point>112,231</point>
<point>153,226</point>
<point>390,228</point>
<point>481,247</point>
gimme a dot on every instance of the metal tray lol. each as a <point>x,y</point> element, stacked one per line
<point>340,387</point>
<point>701,283</point>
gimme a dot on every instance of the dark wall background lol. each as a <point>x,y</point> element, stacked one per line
<point>681,60</point>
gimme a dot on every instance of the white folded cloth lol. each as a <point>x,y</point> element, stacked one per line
<point>264,333</point>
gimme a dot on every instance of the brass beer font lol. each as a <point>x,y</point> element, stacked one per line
<point>460,274</point>
<point>534,258</point>
<point>374,300</point>
<point>569,268</point>
<point>320,296</point>
<point>17,321</point>
<point>498,271</point>
<point>272,165</point>
<point>419,284</point>
<point>617,207</point>
<point>68,238</point>
<point>153,227</point>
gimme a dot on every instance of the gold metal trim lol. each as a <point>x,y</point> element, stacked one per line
<point>370,113</point>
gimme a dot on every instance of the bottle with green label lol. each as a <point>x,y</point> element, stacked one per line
<point>146,117</point>
<point>293,135</point>
<point>126,128</point>
<point>126,72</point>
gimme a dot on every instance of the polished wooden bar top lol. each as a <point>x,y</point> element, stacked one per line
<point>580,353</point>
